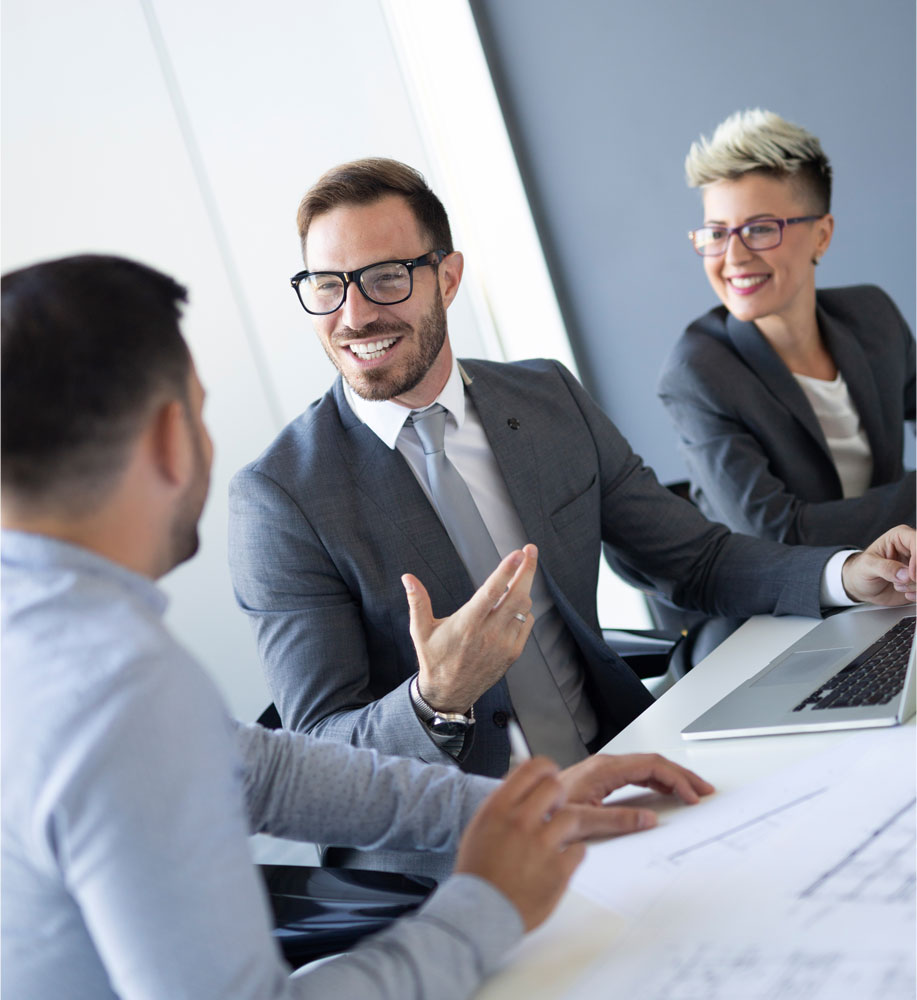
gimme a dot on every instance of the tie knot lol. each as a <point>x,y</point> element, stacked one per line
<point>430,425</point>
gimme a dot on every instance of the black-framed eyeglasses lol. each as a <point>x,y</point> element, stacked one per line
<point>759,234</point>
<point>386,283</point>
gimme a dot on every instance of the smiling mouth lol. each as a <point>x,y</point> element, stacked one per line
<point>752,281</point>
<point>371,350</point>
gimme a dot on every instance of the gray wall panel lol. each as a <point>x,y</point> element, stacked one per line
<point>603,98</point>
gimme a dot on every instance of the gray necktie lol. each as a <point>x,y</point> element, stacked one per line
<point>537,701</point>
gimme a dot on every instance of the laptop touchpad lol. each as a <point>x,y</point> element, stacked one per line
<point>806,665</point>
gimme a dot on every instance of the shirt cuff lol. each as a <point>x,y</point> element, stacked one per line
<point>480,914</point>
<point>452,745</point>
<point>833,594</point>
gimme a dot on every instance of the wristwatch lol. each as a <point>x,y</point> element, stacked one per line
<point>446,725</point>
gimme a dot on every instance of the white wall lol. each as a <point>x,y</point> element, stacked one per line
<point>183,133</point>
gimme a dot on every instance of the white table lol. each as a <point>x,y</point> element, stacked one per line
<point>548,962</point>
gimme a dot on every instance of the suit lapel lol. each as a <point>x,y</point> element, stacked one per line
<point>512,434</point>
<point>758,354</point>
<point>853,364</point>
<point>386,480</point>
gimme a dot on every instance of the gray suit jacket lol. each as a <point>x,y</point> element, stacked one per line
<point>756,454</point>
<point>324,523</point>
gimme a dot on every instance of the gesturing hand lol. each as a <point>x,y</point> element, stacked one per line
<point>885,572</point>
<point>461,656</point>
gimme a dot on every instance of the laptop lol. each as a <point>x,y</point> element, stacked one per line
<point>853,670</point>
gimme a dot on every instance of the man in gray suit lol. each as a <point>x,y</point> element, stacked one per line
<point>342,509</point>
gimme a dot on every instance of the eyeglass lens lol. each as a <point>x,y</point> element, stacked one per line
<point>711,240</point>
<point>385,284</point>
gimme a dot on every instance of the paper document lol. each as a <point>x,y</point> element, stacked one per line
<point>800,885</point>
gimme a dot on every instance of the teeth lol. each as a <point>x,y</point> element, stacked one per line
<point>369,350</point>
<point>748,282</point>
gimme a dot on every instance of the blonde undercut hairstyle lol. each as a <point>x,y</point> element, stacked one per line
<point>761,141</point>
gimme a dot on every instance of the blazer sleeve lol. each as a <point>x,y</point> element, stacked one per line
<point>308,628</point>
<point>731,473</point>
<point>695,562</point>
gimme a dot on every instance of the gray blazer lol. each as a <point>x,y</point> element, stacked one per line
<point>324,523</point>
<point>756,454</point>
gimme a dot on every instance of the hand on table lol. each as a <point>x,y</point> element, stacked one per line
<point>462,656</point>
<point>528,836</point>
<point>524,841</point>
<point>885,572</point>
<point>591,780</point>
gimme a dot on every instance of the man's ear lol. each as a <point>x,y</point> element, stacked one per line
<point>170,442</point>
<point>450,276</point>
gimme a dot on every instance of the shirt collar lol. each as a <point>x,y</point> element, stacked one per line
<point>33,552</point>
<point>385,418</point>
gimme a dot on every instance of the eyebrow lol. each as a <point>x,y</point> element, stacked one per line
<point>749,218</point>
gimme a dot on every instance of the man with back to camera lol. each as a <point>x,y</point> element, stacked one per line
<point>128,793</point>
<point>318,570</point>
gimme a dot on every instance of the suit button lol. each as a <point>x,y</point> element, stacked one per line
<point>500,720</point>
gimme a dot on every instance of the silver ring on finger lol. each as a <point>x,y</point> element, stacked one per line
<point>520,617</point>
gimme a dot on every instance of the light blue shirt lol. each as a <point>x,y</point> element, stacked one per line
<point>129,794</point>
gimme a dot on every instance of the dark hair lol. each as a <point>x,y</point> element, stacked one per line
<point>90,344</point>
<point>365,181</point>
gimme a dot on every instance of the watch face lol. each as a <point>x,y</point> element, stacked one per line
<point>445,727</point>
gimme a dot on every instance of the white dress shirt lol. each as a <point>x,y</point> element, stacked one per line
<point>469,451</point>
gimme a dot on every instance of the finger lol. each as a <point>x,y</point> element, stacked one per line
<point>517,593</point>
<point>600,822</point>
<point>521,780</point>
<point>495,587</point>
<point>521,584</point>
<point>610,772</point>
<point>540,802</point>
<point>670,779</point>
<point>419,606</point>
<point>884,569</point>
<point>867,572</point>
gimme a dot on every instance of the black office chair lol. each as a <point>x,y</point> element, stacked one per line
<point>270,718</point>
<point>325,911</point>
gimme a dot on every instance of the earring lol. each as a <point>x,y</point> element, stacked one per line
<point>816,260</point>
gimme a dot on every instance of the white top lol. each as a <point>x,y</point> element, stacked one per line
<point>469,451</point>
<point>843,431</point>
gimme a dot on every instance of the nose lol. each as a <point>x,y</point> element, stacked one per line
<point>736,249</point>
<point>356,310</point>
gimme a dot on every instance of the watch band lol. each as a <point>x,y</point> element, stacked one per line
<point>429,714</point>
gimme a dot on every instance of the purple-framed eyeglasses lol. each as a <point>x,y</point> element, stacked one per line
<point>759,234</point>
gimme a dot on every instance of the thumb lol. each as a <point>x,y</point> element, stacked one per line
<point>418,605</point>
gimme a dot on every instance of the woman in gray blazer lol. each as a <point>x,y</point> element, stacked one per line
<point>789,402</point>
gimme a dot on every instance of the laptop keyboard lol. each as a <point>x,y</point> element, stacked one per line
<point>873,678</point>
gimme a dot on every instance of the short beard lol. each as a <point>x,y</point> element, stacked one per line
<point>185,538</point>
<point>429,335</point>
